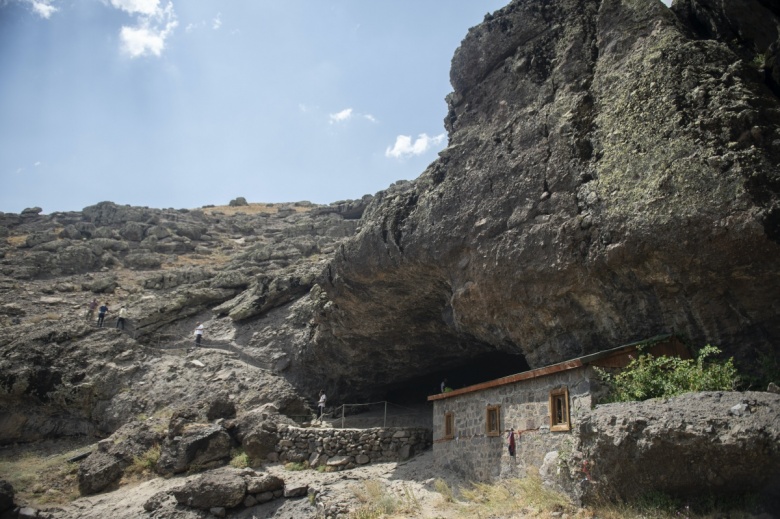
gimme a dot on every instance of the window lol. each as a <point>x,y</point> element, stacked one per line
<point>559,409</point>
<point>449,426</point>
<point>493,420</point>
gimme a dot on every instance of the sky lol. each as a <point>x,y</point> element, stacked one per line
<point>185,103</point>
<point>174,103</point>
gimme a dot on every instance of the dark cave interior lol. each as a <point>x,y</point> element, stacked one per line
<point>470,371</point>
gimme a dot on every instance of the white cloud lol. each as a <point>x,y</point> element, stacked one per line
<point>405,147</point>
<point>38,163</point>
<point>145,7</point>
<point>217,22</point>
<point>343,115</point>
<point>43,8</point>
<point>347,114</point>
<point>153,26</point>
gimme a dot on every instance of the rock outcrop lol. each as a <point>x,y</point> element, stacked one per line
<point>611,174</point>
<point>228,267</point>
<point>728,443</point>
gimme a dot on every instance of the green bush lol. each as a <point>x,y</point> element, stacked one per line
<point>662,377</point>
<point>239,459</point>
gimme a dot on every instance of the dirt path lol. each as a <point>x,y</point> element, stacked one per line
<point>404,489</point>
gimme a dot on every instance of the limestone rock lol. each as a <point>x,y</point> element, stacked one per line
<point>260,483</point>
<point>681,445</point>
<point>296,491</point>
<point>576,206</point>
<point>98,471</point>
<point>219,488</point>
<point>200,445</point>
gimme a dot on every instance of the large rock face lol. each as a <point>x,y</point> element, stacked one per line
<point>235,270</point>
<point>728,443</point>
<point>611,174</point>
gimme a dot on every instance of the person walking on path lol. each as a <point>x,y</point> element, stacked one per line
<point>120,322</point>
<point>91,309</point>
<point>102,311</point>
<point>321,404</point>
<point>198,334</point>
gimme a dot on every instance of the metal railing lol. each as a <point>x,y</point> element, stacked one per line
<point>382,411</point>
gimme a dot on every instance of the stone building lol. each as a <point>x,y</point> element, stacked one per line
<point>543,406</point>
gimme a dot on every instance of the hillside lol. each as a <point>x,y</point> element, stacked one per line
<point>612,174</point>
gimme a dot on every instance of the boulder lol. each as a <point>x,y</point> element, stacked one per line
<point>714,442</point>
<point>296,491</point>
<point>6,496</point>
<point>98,471</point>
<point>238,202</point>
<point>158,500</point>
<point>259,483</point>
<point>218,488</point>
<point>143,260</point>
<point>199,446</point>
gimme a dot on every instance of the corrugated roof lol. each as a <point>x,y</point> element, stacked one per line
<point>554,368</point>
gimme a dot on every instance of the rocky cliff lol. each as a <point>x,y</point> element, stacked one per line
<point>612,173</point>
<point>232,267</point>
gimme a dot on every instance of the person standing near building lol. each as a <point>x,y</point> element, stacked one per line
<point>321,404</point>
<point>102,311</point>
<point>120,322</point>
<point>198,334</point>
<point>511,442</point>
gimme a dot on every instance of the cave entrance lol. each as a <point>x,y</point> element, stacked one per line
<point>469,371</point>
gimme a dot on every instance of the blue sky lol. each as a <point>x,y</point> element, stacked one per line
<point>174,103</point>
<point>184,103</point>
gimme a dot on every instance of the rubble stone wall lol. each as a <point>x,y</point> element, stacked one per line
<point>348,448</point>
<point>524,406</point>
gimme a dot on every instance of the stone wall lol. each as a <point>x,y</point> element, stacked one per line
<point>524,407</point>
<point>348,448</point>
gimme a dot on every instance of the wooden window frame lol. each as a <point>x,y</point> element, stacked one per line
<point>449,425</point>
<point>564,423</point>
<point>491,409</point>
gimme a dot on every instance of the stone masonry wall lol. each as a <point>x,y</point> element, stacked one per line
<point>525,407</point>
<point>348,448</point>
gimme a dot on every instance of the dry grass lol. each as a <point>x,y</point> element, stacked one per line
<point>210,260</point>
<point>16,241</point>
<point>527,496</point>
<point>376,500</point>
<point>40,478</point>
<point>252,209</point>
<point>51,316</point>
<point>143,465</point>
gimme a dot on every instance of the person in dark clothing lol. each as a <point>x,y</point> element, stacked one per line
<point>91,309</point>
<point>102,311</point>
<point>511,442</point>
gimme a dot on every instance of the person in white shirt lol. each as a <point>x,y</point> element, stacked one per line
<point>321,403</point>
<point>120,322</point>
